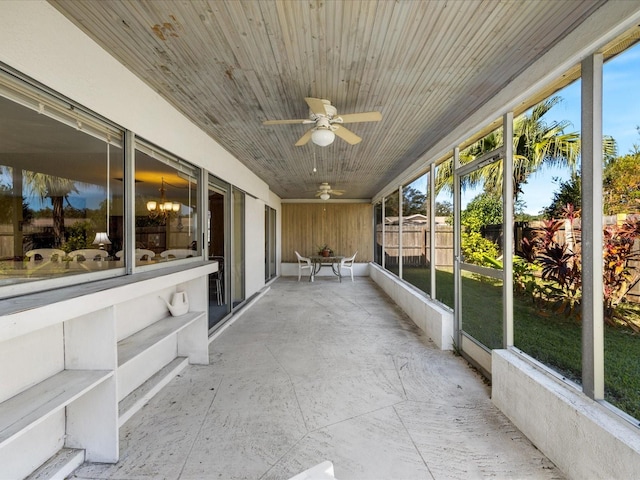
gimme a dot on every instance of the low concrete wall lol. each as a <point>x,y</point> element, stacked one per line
<point>434,319</point>
<point>582,437</point>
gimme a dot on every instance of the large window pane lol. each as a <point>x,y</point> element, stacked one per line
<point>165,208</point>
<point>481,316</point>
<point>547,263</point>
<point>391,233</point>
<point>377,209</point>
<point>61,196</point>
<point>621,194</point>
<point>481,238</point>
<point>416,259</point>
<point>444,234</point>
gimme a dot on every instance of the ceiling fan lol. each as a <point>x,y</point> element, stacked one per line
<point>328,123</point>
<point>325,191</point>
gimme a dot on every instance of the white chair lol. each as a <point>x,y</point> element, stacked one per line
<point>348,264</point>
<point>139,254</point>
<point>88,254</point>
<point>178,253</point>
<point>304,262</point>
<point>45,254</point>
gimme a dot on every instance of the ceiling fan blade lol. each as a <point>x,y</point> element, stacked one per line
<point>316,105</point>
<point>285,122</point>
<point>361,117</point>
<point>347,135</point>
<point>304,139</point>
<point>336,192</point>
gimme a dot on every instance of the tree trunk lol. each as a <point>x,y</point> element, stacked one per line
<point>57,204</point>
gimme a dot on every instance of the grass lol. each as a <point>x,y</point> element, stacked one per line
<point>551,338</point>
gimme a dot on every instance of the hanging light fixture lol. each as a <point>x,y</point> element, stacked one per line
<point>325,196</point>
<point>164,207</point>
<point>322,136</point>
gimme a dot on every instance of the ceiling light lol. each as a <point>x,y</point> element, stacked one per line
<point>163,208</point>
<point>322,137</point>
<point>325,196</point>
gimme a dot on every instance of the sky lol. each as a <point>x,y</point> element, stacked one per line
<point>621,115</point>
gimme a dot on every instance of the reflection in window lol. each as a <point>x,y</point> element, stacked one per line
<point>165,207</point>
<point>61,204</point>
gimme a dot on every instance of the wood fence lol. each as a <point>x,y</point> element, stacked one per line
<point>415,245</point>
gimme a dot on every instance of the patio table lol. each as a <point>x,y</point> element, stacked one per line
<point>319,261</point>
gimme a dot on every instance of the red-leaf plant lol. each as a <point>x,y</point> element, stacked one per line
<point>561,264</point>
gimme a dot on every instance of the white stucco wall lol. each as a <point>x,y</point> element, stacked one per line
<point>432,318</point>
<point>583,438</point>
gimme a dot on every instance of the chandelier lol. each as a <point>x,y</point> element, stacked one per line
<point>162,208</point>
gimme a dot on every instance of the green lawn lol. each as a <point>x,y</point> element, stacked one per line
<point>547,336</point>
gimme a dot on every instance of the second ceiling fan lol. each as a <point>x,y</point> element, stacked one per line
<point>328,123</point>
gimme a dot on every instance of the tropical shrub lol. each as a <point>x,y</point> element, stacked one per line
<point>619,275</point>
<point>560,265</point>
<point>485,209</point>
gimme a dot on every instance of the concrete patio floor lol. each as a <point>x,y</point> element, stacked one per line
<point>324,371</point>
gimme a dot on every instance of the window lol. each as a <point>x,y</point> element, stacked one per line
<point>378,233</point>
<point>61,190</point>
<point>392,233</point>
<point>444,232</point>
<point>416,234</point>
<point>547,229</point>
<point>621,222</point>
<point>166,201</point>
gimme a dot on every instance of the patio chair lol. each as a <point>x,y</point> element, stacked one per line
<point>304,262</point>
<point>45,254</point>
<point>178,253</point>
<point>140,254</point>
<point>348,264</point>
<point>88,254</point>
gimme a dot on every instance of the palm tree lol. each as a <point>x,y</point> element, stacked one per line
<point>57,189</point>
<point>535,144</point>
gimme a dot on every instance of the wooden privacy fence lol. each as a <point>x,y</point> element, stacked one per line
<point>415,245</point>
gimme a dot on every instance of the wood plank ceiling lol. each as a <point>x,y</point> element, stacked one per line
<point>229,65</point>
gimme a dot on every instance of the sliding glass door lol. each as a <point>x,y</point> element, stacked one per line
<point>218,228</point>
<point>269,243</point>
<point>237,249</point>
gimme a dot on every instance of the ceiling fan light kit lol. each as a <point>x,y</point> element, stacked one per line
<point>328,124</point>
<point>322,137</point>
<point>325,191</point>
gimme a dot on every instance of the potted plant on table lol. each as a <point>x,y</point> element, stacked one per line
<point>325,251</point>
